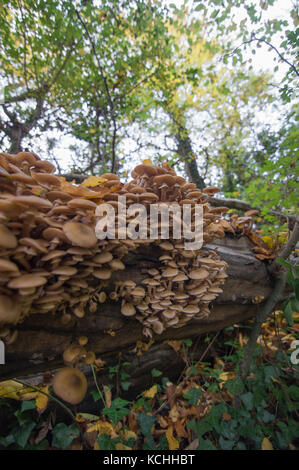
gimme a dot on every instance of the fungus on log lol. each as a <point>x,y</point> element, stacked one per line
<point>58,279</point>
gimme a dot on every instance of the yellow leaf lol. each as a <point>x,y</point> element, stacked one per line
<point>41,401</point>
<point>93,181</point>
<point>268,241</point>
<point>15,390</point>
<point>147,162</point>
<point>151,392</point>
<point>128,434</point>
<point>102,427</point>
<point>173,443</point>
<point>266,444</point>
<point>224,376</point>
<point>92,131</point>
<point>96,446</point>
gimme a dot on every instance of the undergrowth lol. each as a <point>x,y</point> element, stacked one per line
<point>209,407</point>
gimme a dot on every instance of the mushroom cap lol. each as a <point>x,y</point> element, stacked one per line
<point>116,264</point>
<point>33,201</point>
<point>199,273</point>
<point>128,309</point>
<point>170,272</point>
<point>9,310</point>
<point>27,280</point>
<point>6,265</point>
<point>70,385</point>
<point>143,170</point>
<point>79,203</point>
<point>45,178</point>
<point>159,180</point>
<point>7,238</point>
<point>73,353</point>
<point>103,257</point>
<point>44,166</point>
<point>80,234</point>
<point>102,273</point>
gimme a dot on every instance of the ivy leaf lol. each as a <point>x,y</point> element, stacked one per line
<point>193,395</point>
<point>64,435</point>
<point>146,423</point>
<point>22,433</point>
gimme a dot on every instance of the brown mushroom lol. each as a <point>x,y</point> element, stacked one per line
<point>70,385</point>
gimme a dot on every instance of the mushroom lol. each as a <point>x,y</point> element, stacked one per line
<point>70,385</point>
<point>9,310</point>
<point>80,234</point>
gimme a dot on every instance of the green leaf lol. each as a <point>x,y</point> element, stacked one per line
<point>226,444</point>
<point>126,385</point>
<point>288,312</point>
<point>28,405</point>
<point>145,422</point>
<point>193,395</point>
<point>205,444</point>
<point>283,262</point>
<point>156,372</point>
<point>105,442</point>
<point>117,410</point>
<point>22,433</point>
<point>64,435</point>
<point>247,400</point>
<point>7,440</point>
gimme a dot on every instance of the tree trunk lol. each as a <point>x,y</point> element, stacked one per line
<point>42,338</point>
<point>186,153</point>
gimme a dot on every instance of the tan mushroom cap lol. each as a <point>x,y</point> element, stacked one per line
<point>33,201</point>
<point>78,203</point>
<point>103,257</point>
<point>65,271</point>
<point>198,274</point>
<point>144,170</point>
<point>128,309</point>
<point>70,385</point>
<point>73,354</point>
<point>9,310</point>
<point>6,265</point>
<point>58,195</point>
<point>7,238</point>
<point>80,234</point>
<point>170,272</point>
<point>102,274</point>
<point>47,179</point>
<point>44,166</point>
<point>27,280</point>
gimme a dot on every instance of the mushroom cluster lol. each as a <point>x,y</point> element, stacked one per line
<point>51,260</point>
<point>186,281</point>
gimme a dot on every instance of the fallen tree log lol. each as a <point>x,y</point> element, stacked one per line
<point>42,338</point>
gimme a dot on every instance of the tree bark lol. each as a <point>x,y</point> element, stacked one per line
<point>42,338</point>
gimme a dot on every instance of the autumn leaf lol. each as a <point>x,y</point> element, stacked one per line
<point>108,396</point>
<point>150,393</point>
<point>266,444</point>
<point>173,443</point>
<point>103,427</point>
<point>41,401</point>
<point>93,181</point>
<point>147,162</point>
<point>269,242</point>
